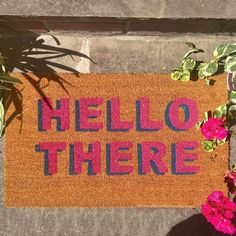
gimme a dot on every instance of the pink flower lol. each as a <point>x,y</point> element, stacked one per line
<point>214,128</point>
<point>230,179</point>
<point>218,210</point>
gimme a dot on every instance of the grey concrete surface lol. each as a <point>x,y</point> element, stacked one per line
<point>111,53</point>
<point>126,53</point>
<point>122,8</point>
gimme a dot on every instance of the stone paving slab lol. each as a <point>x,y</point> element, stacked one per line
<point>122,8</point>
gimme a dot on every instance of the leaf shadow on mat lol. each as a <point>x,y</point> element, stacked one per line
<point>195,225</point>
<point>27,52</point>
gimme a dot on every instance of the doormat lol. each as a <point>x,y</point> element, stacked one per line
<point>110,140</point>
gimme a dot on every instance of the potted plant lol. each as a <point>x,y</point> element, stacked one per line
<point>215,127</point>
<point>223,60</point>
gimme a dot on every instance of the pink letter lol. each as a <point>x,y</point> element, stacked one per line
<point>113,120</point>
<point>93,157</point>
<point>114,157</point>
<point>172,114</point>
<point>50,149</point>
<point>83,114</point>
<point>180,156</point>
<point>61,114</point>
<point>151,154</point>
<point>143,117</point>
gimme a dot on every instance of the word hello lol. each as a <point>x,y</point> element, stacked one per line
<point>150,155</point>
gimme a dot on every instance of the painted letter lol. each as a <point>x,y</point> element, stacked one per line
<point>172,114</point>
<point>114,156</point>
<point>83,114</point>
<point>50,157</point>
<point>46,113</point>
<point>93,157</point>
<point>143,117</point>
<point>114,123</point>
<point>180,156</point>
<point>150,155</point>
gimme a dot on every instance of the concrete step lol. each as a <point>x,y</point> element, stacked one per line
<point>110,53</point>
<point>123,24</point>
<point>122,8</point>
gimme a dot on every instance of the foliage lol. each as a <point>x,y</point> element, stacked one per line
<point>226,113</point>
<point>220,115</point>
<point>223,56</point>
<point>5,79</point>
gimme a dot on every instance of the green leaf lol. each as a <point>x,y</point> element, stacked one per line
<point>190,45</point>
<point>201,75</point>
<point>207,81</point>
<point>221,142</point>
<point>219,51</point>
<point>185,76</point>
<point>192,49</point>
<point>209,69</point>
<point>175,75</point>
<point>209,145</point>
<point>205,116</point>
<point>201,65</point>
<point>232,111</point>
<point>232,97</point>
<point>234,167</point>
<point>230,64</point>
<point>188,64</point>
<point>199,124</point>
<point>9,79</point>
<point>229,49</point>
<point>220,111</point>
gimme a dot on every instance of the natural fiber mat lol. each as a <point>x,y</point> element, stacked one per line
<point>111,140</point>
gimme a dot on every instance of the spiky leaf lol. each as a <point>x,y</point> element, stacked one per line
<point>4,88</point>
<point>9,79</point>
<point>1,60</point>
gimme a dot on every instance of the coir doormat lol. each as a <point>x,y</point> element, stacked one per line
<point>110,140</point>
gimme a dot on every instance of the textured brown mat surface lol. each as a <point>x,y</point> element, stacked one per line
<point>26,185</point>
